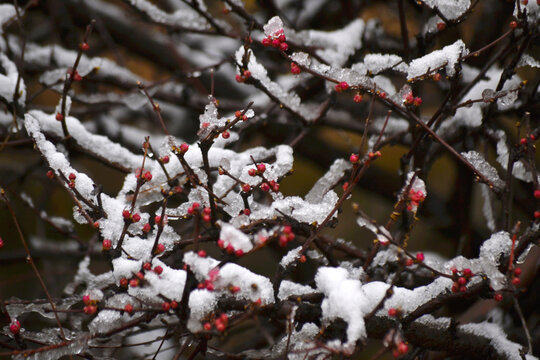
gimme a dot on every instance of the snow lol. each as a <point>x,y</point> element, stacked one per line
<point>376,63</point>
<point>7,12</point>
<point>288,288</point>
<point>234,237</point>
<point>451,9</point>
<point>185,17</point>
<point>497,338</point>
<point>291,257</point>
<point>447,57</point>
<point>483,167</point>
<point>8,81</point>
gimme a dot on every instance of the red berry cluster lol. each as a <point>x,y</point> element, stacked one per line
<point>342,86</point>
<point>277,40</point>
<point>515,276</point>
<point>166,306</point>
<point>126,214</point>
<point>415,198</point>
<point>205,213</point>
<point>238,115</point>
<point>90,305</point>
<point>461,279</point>
<point>401,349</point>
<point>146,176</point>
<point>286,236</point>
<point>409,99</point>
<point>219,322</point>
<point>266,185</point>
<point>229,248</point>
<point>72,178</point>
<point>76,75</point>
<point>246,74</point>
<point>208,284</point>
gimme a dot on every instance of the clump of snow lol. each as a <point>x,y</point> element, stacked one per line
<point>8,80</point>
<point>345,299</point>
<point>234,237</point>
<point>483,167</point>
<point>451,9</point>
<point>291,256</point>
<point>376,63</point>
<point>184,17</point>
<point>288,288</point>
<point>447,57</point>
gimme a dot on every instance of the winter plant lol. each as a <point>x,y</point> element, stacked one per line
<point>149,203</point>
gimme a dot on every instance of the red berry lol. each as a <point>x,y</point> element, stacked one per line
<point>409,262</point>
<point>246,212</point>
<point>59,117</point>
<point>88,309</point>
<point>343,85</point>
<point>77,76</point>
<point>266,41</point>
<point>139,275</point>
<point>283,46</point>
<point>206,218</point>
<point>124,282</point>
<point>72,176</point>
<point>239,78</point>
<point>261,168</point>
<point>246,188</point>
<point>160,248</point>
<point>50,174</point>
<point>147,176</point>
<point>209,286</point>
<point>158,270</point>
<point>196,205</point>
<point>207,210</point>
<point>136,218</point>
<point>221,243</point>
<point>201,253</point>
<point>147,266</point>
<point>247,74</point>
<point>462,281</point>
<point>392,312</point>
<point>207,326</point>
<point>107,244</point>
<point>84,46</point>
<point>437,77</point>
<point>516,281</point>
<point>157,219</point>
<point>96,224</point>
<point>382,95</point>
<point>226,134</point>
<point>166,306</point>
<point>357,98</point>
<point>234,289</point>
<point>134,282</point>
<point>517,271</point>
<point>276,43</point>
<point>420,257</point>
<point>353,158</point>
<point>146,228</point>
<point>237,113</point>
<point>513,25</point>
<point>537,194</point>
<point>417,101</point>
<point>252,172</point>
<point>239,252</point>
<point>126,214</point>
<point>184,147</point>
<point>441,26</point>
<point>302,259</point>
<point>229,249</point>
<point>128,308</point>
<point>86,299</point>
<point>523,141</point>
<point>295,69</point>
<point>498,297</point>
<point>265,187</point>
<point>467,272</point>
<point>402,348</point>
<point>220,327</point>
<point>174,304</point>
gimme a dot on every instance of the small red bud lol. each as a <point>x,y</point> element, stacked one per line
<point>353,158</point>
<point>513,24</point>
<point>392,312</point>
<point>441,26</point>
<point>134,282</point>
<point>147,266</point>
<point>265,187</point>
<point>146,228</point>
<point>226,134</point>
<point>357,98</point>
<point>246,188</point>
<point>136,218</point>
<point>160,248</point>
<point>59,117</point>
<point>147,176</point>
<point>261,168</point>
<point>72,176</point>
<point>239,253</point>
<point>498,297</point>
<point>174,304</point>
<point>166,306</point>
<point>202,253</point>
<point>207,326</point>
<point>128,308</point>
<point>158,270</point>
<point>283,46</point>
<point>107,244</point>
<point>230,249</point>
<point>420,257</point>
<point>88,310</point>
<point>516,281</point>
<point>295,69</point>
<point>184,147</point>
<point>84,46</point>
<point>86,299</point>
<point>537,194</point>
<point>124,282</point>
<point>403,348</point>
<point>252,172</point>
<point>126,214</point>
<point>517,271</point>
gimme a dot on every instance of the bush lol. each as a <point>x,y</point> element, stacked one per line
<point>167,130</point>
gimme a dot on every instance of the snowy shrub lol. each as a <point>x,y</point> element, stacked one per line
<point>158,189</point>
